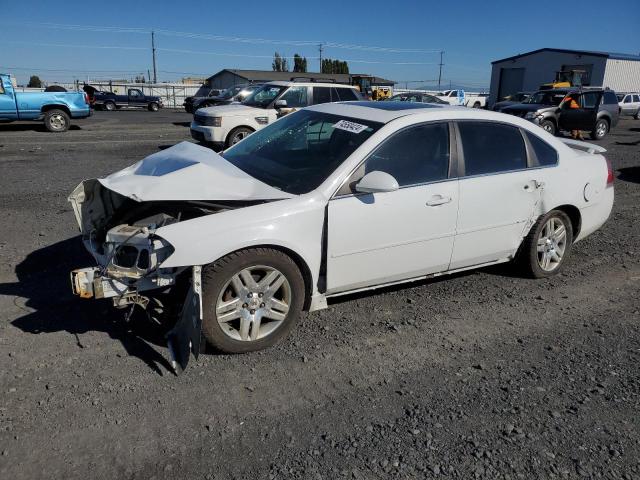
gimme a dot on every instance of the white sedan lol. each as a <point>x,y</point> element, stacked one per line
<point>329,200</point>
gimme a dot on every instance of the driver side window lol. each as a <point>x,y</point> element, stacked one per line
<point>296,97</point>
<point>416,155</point>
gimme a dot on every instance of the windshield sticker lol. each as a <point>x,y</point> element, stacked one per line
<point>350,126</point>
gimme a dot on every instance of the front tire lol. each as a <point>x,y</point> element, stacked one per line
<point>600,130</point>
<point>544,250</point>
<point>251,299</point>
<point>57,121</point>
<point>548,126</point>
<point>237,135</point>
<point>153,107</point>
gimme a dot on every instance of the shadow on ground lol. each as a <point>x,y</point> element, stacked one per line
<point>182,124</point>
<point>43,280</point>
<point>29,127</point>
<point>629,174</point>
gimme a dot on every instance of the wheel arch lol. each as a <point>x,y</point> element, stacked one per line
<point>574,215</point>
<point>233,130</point>
<point>55,106</point>
<point>300,262</point>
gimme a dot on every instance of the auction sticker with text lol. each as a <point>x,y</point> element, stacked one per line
<point>350,126</point>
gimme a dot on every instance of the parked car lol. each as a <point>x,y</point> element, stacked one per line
<point>133,99</point>
<point>226,125</point>
<point>598,111</point>
<point>233,94</point>
<point>328,200</point>
<point>467,99</point>
<point>203,92</point>
<point>629,104</point>
<point>540,108</point>
<point>55,109</point>
<point>419,97</point>
<point>509,100</point>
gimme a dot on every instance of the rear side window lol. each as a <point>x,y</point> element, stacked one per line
<point>346,94</point>
<point>545,154</point>
<point>590,100</point>
<point>636,98</point>
<point>415,155</point>
<point>321,95</point>
<point>610,98</point>
<point>491,148</point>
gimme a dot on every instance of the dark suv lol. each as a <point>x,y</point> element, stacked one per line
<point>598,112</point>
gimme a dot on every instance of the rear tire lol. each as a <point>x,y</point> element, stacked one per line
<point>109,106</point>
<point>477,105</point>
<point>251,299</point>
<point>153,107</point>
<point>544,250</point>
<point>548,126</point>
<point>600,130</point>
<point>57,121</point>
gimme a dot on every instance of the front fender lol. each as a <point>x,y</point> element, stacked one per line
<point>295,224</point>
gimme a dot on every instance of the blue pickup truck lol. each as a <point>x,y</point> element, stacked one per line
<point>56,109</point>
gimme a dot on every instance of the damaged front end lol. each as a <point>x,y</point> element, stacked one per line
<point>129,258</point>
<point>119,217</point>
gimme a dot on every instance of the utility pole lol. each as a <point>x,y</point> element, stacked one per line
<point>440,73</point>
<point>320,48</point>
<point>153,49</point>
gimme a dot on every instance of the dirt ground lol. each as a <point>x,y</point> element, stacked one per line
<point>478,375</point>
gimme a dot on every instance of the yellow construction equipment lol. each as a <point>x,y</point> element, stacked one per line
<point>566,78</point>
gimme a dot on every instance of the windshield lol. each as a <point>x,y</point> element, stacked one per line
<point>620,97</point>
<point>203,91</point>
<point>546,98</point>
<point>263,96</point>
<point>298,152</point>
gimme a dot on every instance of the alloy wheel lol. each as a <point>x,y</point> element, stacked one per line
<point>253,303</point>
<point>552,243</point>
<point>57,121</point>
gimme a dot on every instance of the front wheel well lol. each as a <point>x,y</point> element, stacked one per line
<point>574,215</point>
<point>64,108</point>
<point>300,263</point>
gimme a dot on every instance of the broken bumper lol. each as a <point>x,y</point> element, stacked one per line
<point>89,283</point>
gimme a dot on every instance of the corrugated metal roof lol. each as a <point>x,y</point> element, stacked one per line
<point>269,75</point>
<point>612,55</point>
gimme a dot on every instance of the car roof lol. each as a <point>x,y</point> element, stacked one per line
<point>309,84</point>
<point>382,112</point>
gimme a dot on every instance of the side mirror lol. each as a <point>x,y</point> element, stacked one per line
<point>376,182</point>
<point>280,104</point>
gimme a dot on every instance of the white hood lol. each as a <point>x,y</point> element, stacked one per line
<point>188,172</point>
<point>230,110</point>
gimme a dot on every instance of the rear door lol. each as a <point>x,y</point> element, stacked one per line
<point>7,100</point>
<point>583,118</point>
<point>498,193</point>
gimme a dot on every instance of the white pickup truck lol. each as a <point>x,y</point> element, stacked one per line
<point>468,99</point>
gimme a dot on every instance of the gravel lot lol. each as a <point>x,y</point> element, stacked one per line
<point>480,375</point>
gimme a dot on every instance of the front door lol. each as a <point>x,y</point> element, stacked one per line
<point>7,100</point>
<point>498,194</point>
<point>136,98</point>
<point>583,118</point>
<point>386,237</point>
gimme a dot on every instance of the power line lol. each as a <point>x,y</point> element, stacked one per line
<point>237,39</point>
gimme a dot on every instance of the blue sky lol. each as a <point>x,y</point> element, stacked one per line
<point>471,33</point>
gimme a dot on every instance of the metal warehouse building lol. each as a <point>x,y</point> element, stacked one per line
<point>228,77</point>
<point>527,71</point>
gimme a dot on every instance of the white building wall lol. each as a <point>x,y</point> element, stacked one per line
<point>622,75</point>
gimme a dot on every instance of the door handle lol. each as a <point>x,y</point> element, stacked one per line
<point>436,200</point>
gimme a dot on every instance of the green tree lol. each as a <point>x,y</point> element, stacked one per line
<point>299,63</point>
<point>279,64</point>
<point>334,66</point>
<point>34,82</point>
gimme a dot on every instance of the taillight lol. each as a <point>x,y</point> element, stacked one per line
<point>610,175</point>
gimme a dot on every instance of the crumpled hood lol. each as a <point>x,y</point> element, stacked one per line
<point>188,172</point>
<point>231,109</point>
